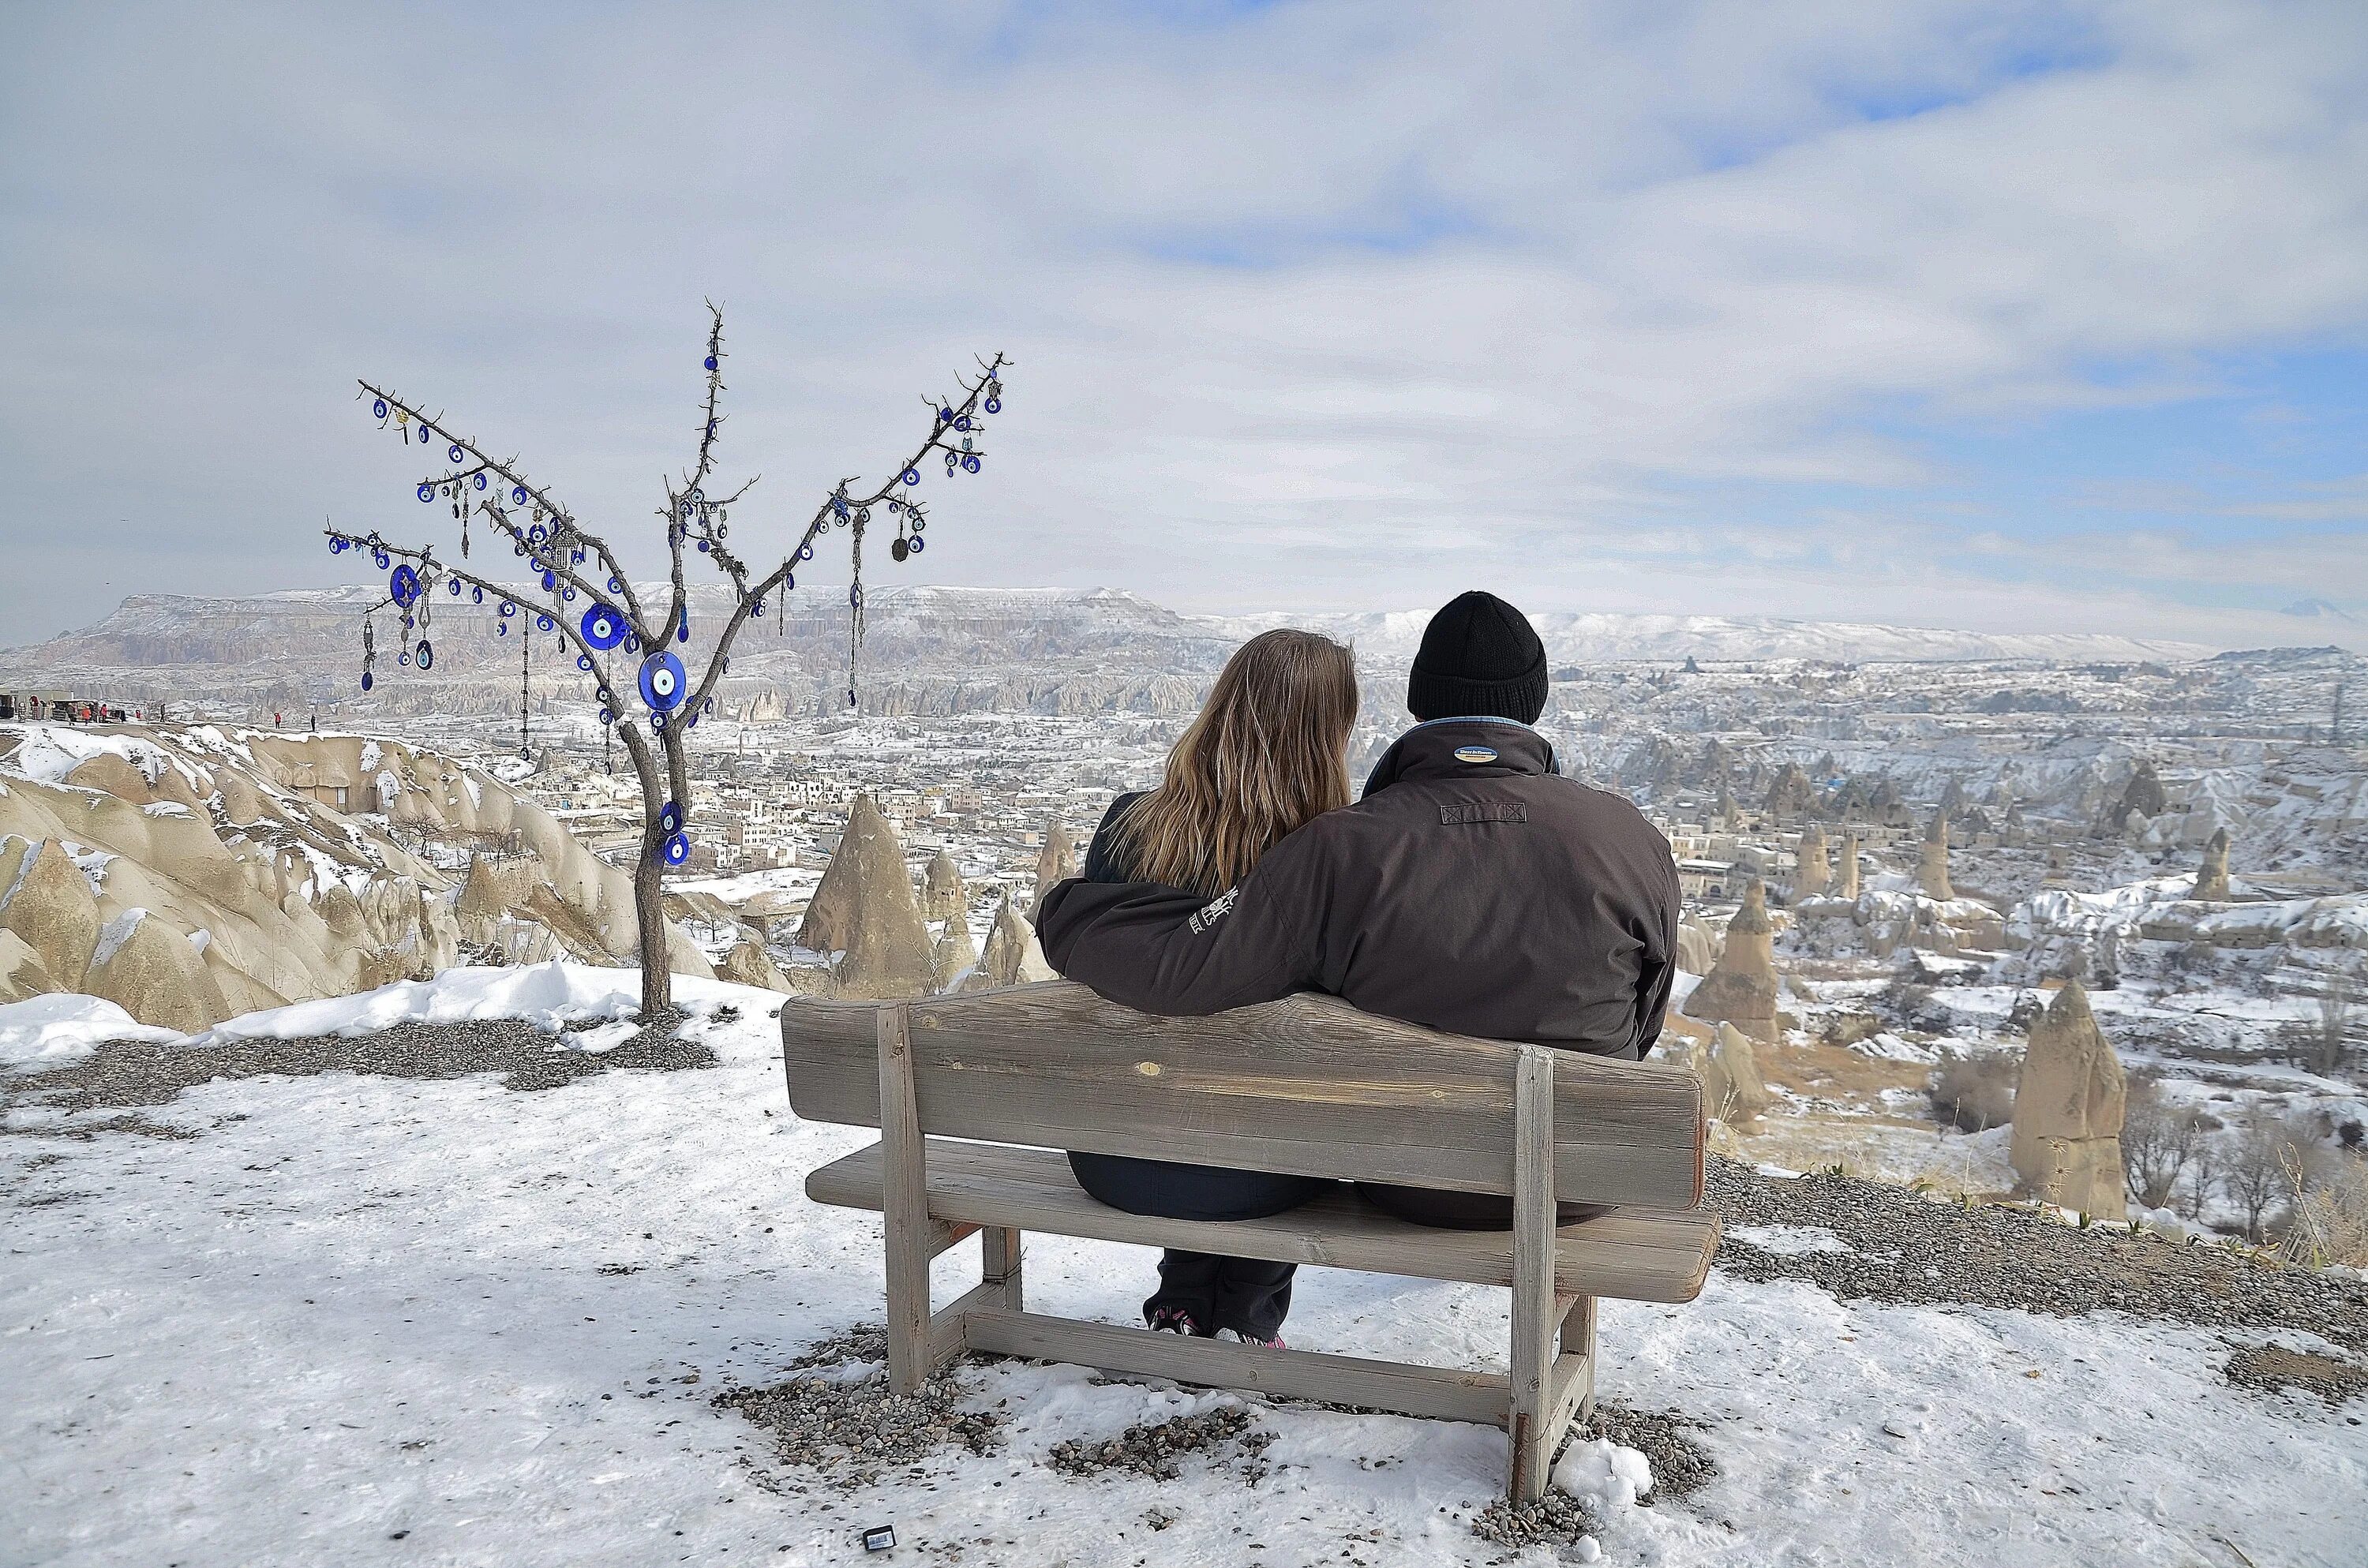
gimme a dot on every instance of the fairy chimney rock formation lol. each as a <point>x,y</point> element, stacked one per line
<point>1845,874</point>
<point>47,902</point>
<point>1732,1088</point>
<point>864,909</point>
<point>954,953</point>
<point>942,895</point>
<point>1012,956</point>
<point>1932,867</point>
<point>2068,1111</point>
<point>1058,861</point>
<point>1740,989</point>
<point>2212,877</point>
<point>1811,878</point>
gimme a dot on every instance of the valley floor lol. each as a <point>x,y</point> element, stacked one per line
<point>363,1318</point>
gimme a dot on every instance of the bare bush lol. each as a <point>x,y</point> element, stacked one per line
<point>2324,1044</point>
<point>2328,1225</point>
<point>2158,1142</point>
<point>2267,1159</point>
<point>1974,1094</point>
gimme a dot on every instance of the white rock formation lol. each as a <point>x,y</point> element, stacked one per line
<point>2067,1110</point>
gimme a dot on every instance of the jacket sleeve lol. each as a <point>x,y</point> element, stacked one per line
<point>1657,977</point>
<point>1163,950</point>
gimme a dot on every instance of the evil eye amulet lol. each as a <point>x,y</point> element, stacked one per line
<point>995,405</point>
<point>662,682</point>
<point>543,623</point>
<point>669,818</point>
<point>425,655</point>
<point>677,850</point>
<point>378,408</point>
<point>428,492</point>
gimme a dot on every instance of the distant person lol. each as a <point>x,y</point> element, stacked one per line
<point>1471,890</point>
<point>1267,753</point>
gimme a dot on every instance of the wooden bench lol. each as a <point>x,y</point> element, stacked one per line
<point>976,1094</point>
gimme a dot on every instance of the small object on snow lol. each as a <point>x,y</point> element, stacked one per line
<point>880,1538</point>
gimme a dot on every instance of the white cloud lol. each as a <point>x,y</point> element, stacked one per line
<point>1519,290</point>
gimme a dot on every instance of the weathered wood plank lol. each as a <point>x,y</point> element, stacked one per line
<point>1625,1254</point>
<point>999,1248</point>
<point>905,1206</point>
<point>1534,1318</point>
<point>1307,1085</point>
<point>946,1337</point>
<point>1213,1363</point>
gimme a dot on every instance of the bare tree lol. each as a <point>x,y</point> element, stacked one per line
<point>2157,1139</point>
<point>592,606</point>
<point>2325,1043</point>
<point>2256,1177</point>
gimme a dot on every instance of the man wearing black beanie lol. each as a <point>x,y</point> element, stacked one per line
<point>1472,889</point>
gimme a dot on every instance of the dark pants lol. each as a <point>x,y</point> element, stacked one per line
<point>1248,1295</point>
<point>1461,1211</point>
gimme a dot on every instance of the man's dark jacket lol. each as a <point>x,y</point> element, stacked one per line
<point>1471,890</point>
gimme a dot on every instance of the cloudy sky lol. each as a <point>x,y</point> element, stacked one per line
<point>2011,317</point>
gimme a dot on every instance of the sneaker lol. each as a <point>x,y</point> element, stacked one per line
<point>1237,1336</point>
<point>1168,1320</point>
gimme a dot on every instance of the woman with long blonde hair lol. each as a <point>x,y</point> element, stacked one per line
<point>1267,755</point>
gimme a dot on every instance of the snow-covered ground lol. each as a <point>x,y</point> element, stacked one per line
<point>363,1320</point>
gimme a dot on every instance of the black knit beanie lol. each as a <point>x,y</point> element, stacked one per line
<point>1479,655</point>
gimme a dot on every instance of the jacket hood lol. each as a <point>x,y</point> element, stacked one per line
<point>1452,748</point>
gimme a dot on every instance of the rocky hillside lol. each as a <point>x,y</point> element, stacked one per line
<point>189,875</point>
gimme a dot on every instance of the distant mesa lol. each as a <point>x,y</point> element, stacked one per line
<point>2318,610</point>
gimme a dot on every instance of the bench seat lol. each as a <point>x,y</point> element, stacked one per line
<point>1628,1254</point>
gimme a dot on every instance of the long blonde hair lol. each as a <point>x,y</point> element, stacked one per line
<point>1266,754</point>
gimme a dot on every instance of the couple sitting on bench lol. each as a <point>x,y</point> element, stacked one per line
<point>1470,889</point>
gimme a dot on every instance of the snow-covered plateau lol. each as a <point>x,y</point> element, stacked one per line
<point>352,1317</point>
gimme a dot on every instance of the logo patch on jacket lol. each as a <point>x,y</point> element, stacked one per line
<point>1465,813</point>
<point>1475,753</point>
<point>1215,911</point>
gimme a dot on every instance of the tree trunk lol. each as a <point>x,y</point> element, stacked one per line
<point>649,912</point>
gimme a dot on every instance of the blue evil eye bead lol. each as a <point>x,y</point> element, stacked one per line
<point>379,558</point>
<point>425,435</point>
<point>575,556</point>
<point>964,423</point>
<point>543,623</point>
<point>615,586</point>
<point>426,492</point>
<point>657,720</point>
<point>607,717</point>
<point>336,546</point>
<point>475,594</point>
<point>914,544</point>
<point>757,607</point>
<point>424,655</point>
<point>677,850</point>
<point>632,642</point>
<point>789,581</point>
<point>538,533</point>
<point>404,587</point>
<point>995,405</point>
<point>567,594</point>
<point>517,494</point>
<point>456,454</point>
<point>669,818</point>
<point>663,682</point>
<point>710,361</point>
<point>945,415</point>
<point>501,628</point>
<point>912,476</point>
<point>550,581</point>
<point>602,628</point>
<point>367,682</point>
<point>455,586</point>
<point>682,632</point>
<point>970,463</point>
<point>481,481</point>
<point>703,547</point>
<point>509,609</point>
<point>806,553</point>
<point>584,663</point>
<point>404,658</point>
<point>378,408</point>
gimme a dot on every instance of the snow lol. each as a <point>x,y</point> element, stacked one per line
<point>548,996</point>
<point>50,752</point>
<point>54,1029</point>
<point>1605,1473</point>
<point>114,934</point>
<point>366,1320</point>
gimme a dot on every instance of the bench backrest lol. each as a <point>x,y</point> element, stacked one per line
<point>1307,1086</point>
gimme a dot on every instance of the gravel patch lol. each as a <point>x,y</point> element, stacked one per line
<point>1907,1247</point>
<point>126,1073</point>
<point>1681,1467</point>
<point>849,1432</point>
<point>1555,1519</point>
<point>1158,1449</point>
<point>2273,1367</point>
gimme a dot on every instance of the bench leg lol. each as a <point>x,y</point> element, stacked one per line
<point>1534,1314</point>
<point>1574,1371</point>
<point>1000,1246</point>
<point>905,1210</point>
